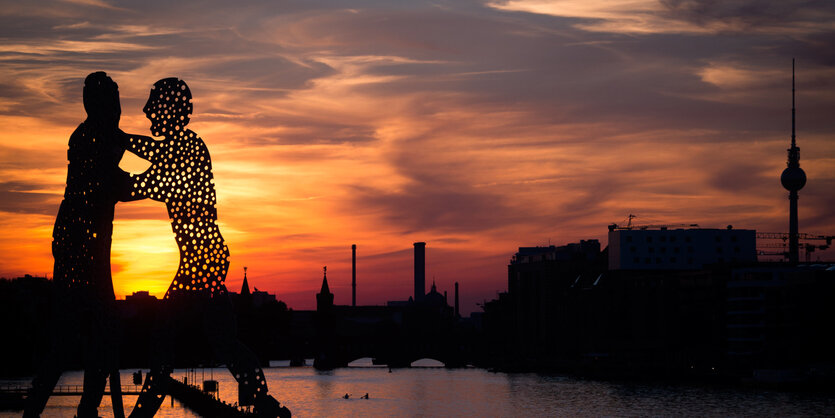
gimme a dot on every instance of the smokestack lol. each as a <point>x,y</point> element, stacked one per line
<point>420,271</point>
<point>354,275</point>
<point>457,313</point>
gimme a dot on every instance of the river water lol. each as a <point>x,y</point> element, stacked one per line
<point>428,391</point>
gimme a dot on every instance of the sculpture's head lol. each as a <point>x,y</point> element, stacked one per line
<point>101,100</point>
<point>169,107</point>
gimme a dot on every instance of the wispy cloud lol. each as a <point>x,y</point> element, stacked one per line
<point>475,126</point>
<point>696,17</point>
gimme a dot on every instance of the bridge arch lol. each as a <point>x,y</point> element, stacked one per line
<point>364,362</point>
<point>427,363</point>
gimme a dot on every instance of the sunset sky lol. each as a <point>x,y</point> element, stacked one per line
<point>475,126</point>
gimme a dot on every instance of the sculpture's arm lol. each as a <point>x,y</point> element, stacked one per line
<point>143,146</point>
<point>123,183</point>
<point>126,187</point>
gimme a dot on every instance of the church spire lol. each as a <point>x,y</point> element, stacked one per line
<point>245,286</point>
<point>324,299</point>
<point>325,289</point>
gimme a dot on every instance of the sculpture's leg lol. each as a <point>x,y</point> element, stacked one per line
<point>113,366</point>
<point>95,379</point>
<point>155,386</point>
<point>97,353</point>
<point>62,339</point>
<point>153,393</point>
<point>116,394</point>
<point>221,329</point>
<point>42,386</point>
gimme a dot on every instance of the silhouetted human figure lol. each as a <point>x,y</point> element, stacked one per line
<point>82,317</point>
<point>181,176</point>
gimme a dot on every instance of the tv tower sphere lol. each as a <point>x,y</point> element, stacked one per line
<point>793,178</point>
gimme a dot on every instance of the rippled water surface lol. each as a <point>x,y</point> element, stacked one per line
<point>476,392</point>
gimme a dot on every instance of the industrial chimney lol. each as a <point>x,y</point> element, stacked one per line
<point>354,275</point>
<point>457,313</point>
<point>420,271</point>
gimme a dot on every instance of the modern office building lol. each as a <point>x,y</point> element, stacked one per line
<point>679,249</point>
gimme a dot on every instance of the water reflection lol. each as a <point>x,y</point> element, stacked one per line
<point>476,392</point>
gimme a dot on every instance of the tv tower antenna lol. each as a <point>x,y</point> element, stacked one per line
<point>793,179</point>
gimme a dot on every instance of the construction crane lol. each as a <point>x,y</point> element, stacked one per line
<point>783,246</point>
<point>630,226</point>
<point>809,247</point>
<point>780,253</point>
<point>774,245</point>
<point>785,236</point>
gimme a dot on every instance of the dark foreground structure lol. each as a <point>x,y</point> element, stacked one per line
<point>672,300</point>
<point>332,335</point>
<point>567,310</point>
<point>79,308</point>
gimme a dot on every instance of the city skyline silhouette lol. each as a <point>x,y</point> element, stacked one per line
<point>481,208</point>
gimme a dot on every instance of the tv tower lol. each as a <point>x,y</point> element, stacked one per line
<point>793,179</point>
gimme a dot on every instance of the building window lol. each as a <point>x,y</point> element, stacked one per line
<point>672,259</point>
<point>733,238</point>
<point>718,250</point>
<point>636,260</point>
<point>689,260</point>
<point>676,250</point>
<point>673,238</point>
<point>649,239</point>
<point>657,260</point>
<point>736,249</point>
<point>629,238</point>
<point>689,249</point>
<point>651,249</point>
<point>632,249</point>
<point>663,250</point>
<point>718,238</point>
<point>663,239</point>
<point>686,239</point>
<point>647,260</point>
